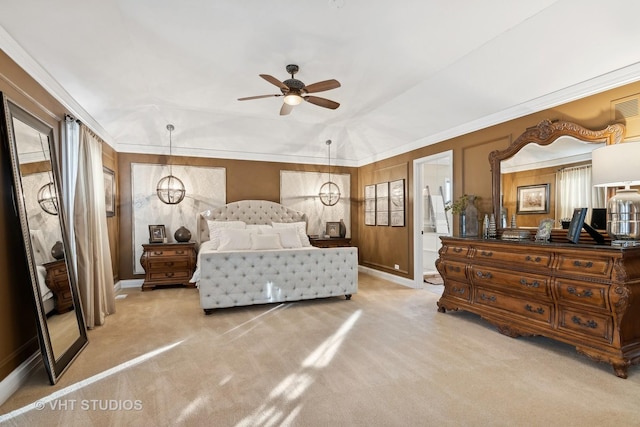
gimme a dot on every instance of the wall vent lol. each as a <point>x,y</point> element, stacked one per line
<point>625,108</point>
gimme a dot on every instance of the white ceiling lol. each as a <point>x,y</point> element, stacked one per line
<point>413,73</point>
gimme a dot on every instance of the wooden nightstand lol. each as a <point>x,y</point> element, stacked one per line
<point>168,264</point>
<point>58,281</point>
<point>330,242</point>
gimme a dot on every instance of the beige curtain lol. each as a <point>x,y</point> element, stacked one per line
<point>95,276</point>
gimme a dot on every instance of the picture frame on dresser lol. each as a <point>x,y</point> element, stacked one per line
<point>157,233</point>
<point>576,224</point>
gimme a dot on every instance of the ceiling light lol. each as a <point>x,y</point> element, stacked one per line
<point>293,99</point>
<point>170,189</point>
<point>329,191</point>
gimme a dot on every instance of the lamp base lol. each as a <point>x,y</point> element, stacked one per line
<point>623,216</point>
<point>625,243</point>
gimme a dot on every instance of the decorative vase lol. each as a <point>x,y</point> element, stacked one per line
<point>513,221</point>
<point>57,251</point>
<point>485,227</point>
<point>471,212</point>
<point>462,224</point>
<point>492,227</point>
<point>343,229</point>
<point>182,234</point>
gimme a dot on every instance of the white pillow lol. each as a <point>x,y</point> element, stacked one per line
<point>234,239</point>
<point>37,242</point>
<point>216,226</point>
<point>288,237</point>
<point>300,226</point>
<point>265,241</point>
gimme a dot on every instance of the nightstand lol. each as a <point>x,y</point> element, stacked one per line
<point>168,264</point>
<point>57,280</point>
<point>329,242</point>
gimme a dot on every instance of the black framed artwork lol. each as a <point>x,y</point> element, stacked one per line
<point>157,234</point>
<point>577,222</point>
<point>109,191</point>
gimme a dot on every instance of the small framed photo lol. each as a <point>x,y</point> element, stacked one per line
<point>533,199</point>
<point>544,230</point>
<point>157,234</point>
<point>333,229</point>
<point>577,222</point>
<point>109,191</point>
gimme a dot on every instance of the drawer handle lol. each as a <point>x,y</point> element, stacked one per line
<point>573,291</point>
<point>457,250</point>
<point>454,268</point>
<point>157,252</point>
<point>458,290</point>
<point>180,252</point>
<point>485,253</point>
<point>492,298</point>
<point>536,259</point>
<point>482,275</point>
<point>534,284</point>
<point>589,323</point>
<point>538,310</point>
<point>168,274</point>
<point>587,264</point>
<point>168,263</point>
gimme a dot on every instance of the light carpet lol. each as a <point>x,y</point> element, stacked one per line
<point>384,358</point>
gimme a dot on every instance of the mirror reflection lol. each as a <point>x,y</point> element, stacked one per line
<point>61,328</point>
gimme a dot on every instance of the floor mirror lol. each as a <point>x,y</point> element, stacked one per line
<point>29,143</point>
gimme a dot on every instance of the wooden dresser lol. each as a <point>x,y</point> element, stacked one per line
<point>585,295</point>
<point>57,280</point>
<point>168,264</point>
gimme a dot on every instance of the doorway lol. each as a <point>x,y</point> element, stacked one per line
<point>433,188</point>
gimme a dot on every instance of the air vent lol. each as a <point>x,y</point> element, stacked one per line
<point>625,108</point>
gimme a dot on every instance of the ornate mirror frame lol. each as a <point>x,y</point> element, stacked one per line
<point>545,133</point>
<point>62,333</point>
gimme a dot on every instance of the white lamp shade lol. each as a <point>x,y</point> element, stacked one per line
<point>616,165</point>
<point>292,99</point>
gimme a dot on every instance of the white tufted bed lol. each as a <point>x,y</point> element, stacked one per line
<point>266,260</point>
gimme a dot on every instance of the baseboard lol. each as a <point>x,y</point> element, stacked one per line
<point>18,377</point>
<point>390,277</point>
<point>131,283</point>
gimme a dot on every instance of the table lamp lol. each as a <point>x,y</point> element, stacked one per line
<point>618,165</point>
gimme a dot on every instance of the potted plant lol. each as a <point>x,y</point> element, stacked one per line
<point>464,206</point>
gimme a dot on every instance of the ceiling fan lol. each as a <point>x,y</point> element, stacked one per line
<point>294,91</point>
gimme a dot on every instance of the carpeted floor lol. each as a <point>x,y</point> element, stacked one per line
<point>385,358</point>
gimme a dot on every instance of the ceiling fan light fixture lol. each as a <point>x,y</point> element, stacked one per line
<point>293,99</point>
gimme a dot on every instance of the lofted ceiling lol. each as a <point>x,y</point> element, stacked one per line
<point>413,73</point>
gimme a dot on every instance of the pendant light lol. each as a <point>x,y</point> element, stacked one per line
<point>329,191</point>
<point>170,189</point>
<point>47,195</point>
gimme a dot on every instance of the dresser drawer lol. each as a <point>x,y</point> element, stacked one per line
<point>582,293</point>
<point>585,323</point>
<point>535,310</point>
<point>454,270</point>
<point>459,290</point>
<point>169,275</point>
<point>177,263</point>
<point>522,259</point>
<point>169,252</point>
<point>460,251</point>
<point>525,283</point>
<point>589,266</point>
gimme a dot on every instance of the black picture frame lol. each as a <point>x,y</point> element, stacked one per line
<point>576,224</point>
<point>333,229</point>
<point>109,191</point>
<point>533,199</point>
<point>157,234</point>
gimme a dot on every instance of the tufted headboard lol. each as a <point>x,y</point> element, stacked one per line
<point>249,211</point>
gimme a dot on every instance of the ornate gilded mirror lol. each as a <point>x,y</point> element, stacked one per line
<point>29,143</point>
<point>544,135</point>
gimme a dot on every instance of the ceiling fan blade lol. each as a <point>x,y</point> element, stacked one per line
<point>286,109</point>
<point>322,86</point>
<point>258,97</point>
<point>274,81</point>
<point>322,102</point>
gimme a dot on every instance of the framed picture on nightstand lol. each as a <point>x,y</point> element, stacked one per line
<point>157,234</point>
<point>333,229</point>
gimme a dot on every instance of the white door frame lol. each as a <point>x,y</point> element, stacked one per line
<point>418,212</point>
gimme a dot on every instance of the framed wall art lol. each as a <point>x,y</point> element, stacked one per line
<point>370,205</point>
<point>382,203</point>
<point>109,191</point>
<point>396,202</point>
<point>533,199</point>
